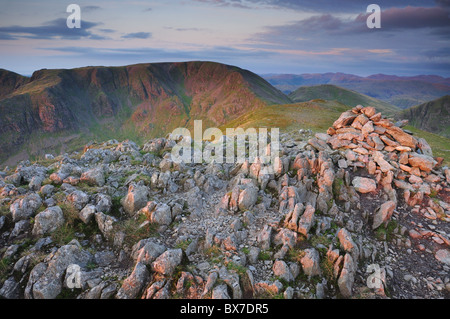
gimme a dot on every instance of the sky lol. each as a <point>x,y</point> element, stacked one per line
<point>263,36</point>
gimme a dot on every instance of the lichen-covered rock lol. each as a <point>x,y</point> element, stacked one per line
<point>26,207</point>
<point>135,199</point>
<point>48,221</point>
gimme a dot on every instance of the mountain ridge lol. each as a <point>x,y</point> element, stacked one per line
<point>124,101</point>
<point>432,116</point>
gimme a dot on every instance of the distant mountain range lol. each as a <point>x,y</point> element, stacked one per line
<point>60,110</point>
<point>401,91</point>
<point>347,97</point>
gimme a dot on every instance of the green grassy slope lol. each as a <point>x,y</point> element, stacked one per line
<point>342,95</point>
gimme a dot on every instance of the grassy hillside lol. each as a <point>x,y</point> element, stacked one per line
<point>341,95</point>
<point>316,115</point>
<point>433,116</point>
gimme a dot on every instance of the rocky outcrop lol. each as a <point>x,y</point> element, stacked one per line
<point>351,213</point>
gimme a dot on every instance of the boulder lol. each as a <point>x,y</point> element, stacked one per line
<point>311,262</point>
<point>135,199</point>
<point>94,177</point>
<point>161,215</point>
<point>402,137</point>
<point>87,213</point>
<point>26,207</point>
<point>79,199</point>
<point>346,118</point>
<point>281,270</point>
<point>166,263</point>
<point>147,250</point>
<point>48,221</point>
<point>46,278</point>
<point>383,214</point>
<point>423,162</point>
<point>134,284</point>
<point>364,185</point>
<point>347,277</point>
<point>247,198</point>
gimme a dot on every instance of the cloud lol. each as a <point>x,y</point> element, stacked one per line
<point>184,29</point>
<point>435,21</point>
<point>411,18</point>
<point>137,35</point>
<point>147,10</point>
<point>49,30</point>
<point>128,55</point>
<point>320,6</point>
<point>89,8</point>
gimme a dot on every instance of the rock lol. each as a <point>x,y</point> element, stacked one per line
<point>253,255</point>
<point>161,215</point>
<point>347,277</point>
<point>220,292</point>
<point>105,258</point>
<point>103,203</point>
<point>311,262</point>
<point>146,251</point>
<point>135,199</point>
<point>281,270</point>
<point>48,221</point>
<point>423,162</point>
<point>166,263</point>
<point>134,284</point>
<point>79,199</point>
<point>45,281</point>
<point>248,198</point>
<point>14,179</point>
<point>369,111</point>
<point>367,128</point>
<point>378,157</point>
<point>47,190</point>
<point>36,182</point>
<point>383,214</point>
<point>94,177</point>
<point>402,137</point>
<point>26,207</point>
<point>105,223</point>
<point>346,118</point>
<point>306,220</point>
<point>347,243</point>
<point>264,237</point>
<point>364,185</point>
<point>443,255</point>
<point>87,213</point>
<point>10,289</point>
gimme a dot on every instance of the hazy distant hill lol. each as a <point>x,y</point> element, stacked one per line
<point>403,92</point>
<point>339,94</point>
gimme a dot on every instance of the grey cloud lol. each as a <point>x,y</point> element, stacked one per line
<point>321,6</point>
<point>89,8</point>
<point>51,29</point>
<point>137,35</point>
